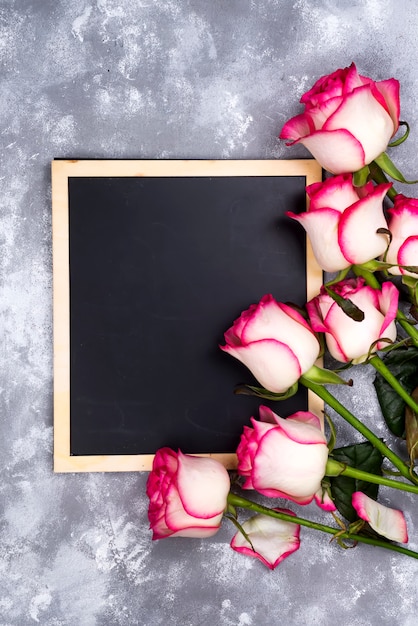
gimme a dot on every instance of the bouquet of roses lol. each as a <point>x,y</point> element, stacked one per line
<point>372,251</point>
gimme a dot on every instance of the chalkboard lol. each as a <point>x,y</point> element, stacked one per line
<point>153,260</point>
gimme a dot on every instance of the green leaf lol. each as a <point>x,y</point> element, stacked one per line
<point>397,142</point>
<point>346,305</point>
<point>390,168</point>
<point>363,456</point>
<point>260,392</point>
<point>402,363</point>
<point>360,177</point>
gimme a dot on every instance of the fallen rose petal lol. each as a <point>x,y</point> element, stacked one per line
<point>389,523</point>
<point>272,539</point>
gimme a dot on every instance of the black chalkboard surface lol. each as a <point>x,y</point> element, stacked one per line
<point>160,258</point>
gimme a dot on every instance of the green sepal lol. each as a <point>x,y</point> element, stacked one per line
<point>333,433</point>
<point>363,456</point>
<point>375,266</point>
<point>402,363</point>
<point>397,142</point>
<point>360,177</point>
<point>346,305</point>
<point>322,376</point>
<point>385,163</point>
<point>410,268</point>
<point>260,392</point>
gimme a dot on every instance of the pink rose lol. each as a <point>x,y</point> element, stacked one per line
<point>341,225</point>
<point>348,120</point>
<point>187,495</point>
<point>272,540</point>
<point>403,224</point>
<point>274,342</point>
<point>283,458</point>
<point>347,339</point>
<point>389,523</point>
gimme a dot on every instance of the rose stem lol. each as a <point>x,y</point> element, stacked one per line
<point>372,281</point>
<point>323,393</point>
<point>380,367</point>
<point>335,468</point>
<point>243,503</point>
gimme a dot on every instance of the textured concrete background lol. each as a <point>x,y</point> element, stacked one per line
<point>163,79</point>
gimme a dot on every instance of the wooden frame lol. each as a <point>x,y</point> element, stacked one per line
<point>62,170</point>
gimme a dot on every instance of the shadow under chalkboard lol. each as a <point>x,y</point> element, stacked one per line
<point>159,266</point>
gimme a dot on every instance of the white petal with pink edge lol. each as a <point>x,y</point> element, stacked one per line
<point>408,255</point>
<point>389,523</point>
<point>285,465</point>
<point>324,500</point>
<point>362,116</point>
<point>322,229</point>
<point>338,151</point>
<point>302,427</point>
<point>178,520</point>
<point>271,362</point>
<point>357,231</point>
<point>297,127</point>
<point>390,91</point>
<point>203,485</point>
<point>355,338</point>
<point>388,304</point>
<point>336,193</point>
<point>272,539</point>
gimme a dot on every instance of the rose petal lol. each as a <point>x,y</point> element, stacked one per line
<point>324,500</point>
<point>272,363</point>
<point>308,418</point>
<point>354,338</point>
<point>357,230</point>
<point>388,304</point>
<point>272,539</point>
<point>338,151</point>
<point>322,229</point>
<point>203,485</point>
<point>336,193</point>
<point>390,91</point>
<point>408,255</point>
<point>278,465</point>
<point>366,120</point>
<point>387,522</point>
<point>297,127</point>
<point>302,427</point>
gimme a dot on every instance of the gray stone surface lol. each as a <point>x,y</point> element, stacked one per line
<point>163,79</point>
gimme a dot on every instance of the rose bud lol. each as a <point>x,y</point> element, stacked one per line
<point>272,540</point>
<point>187,495</point>
<point>275,342</point>
<point>348,120</point>
<point>347,339</point>
<point>389,523</point>
<point>403,224</point>
<point>341,225</point>
<point>283,458</point>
